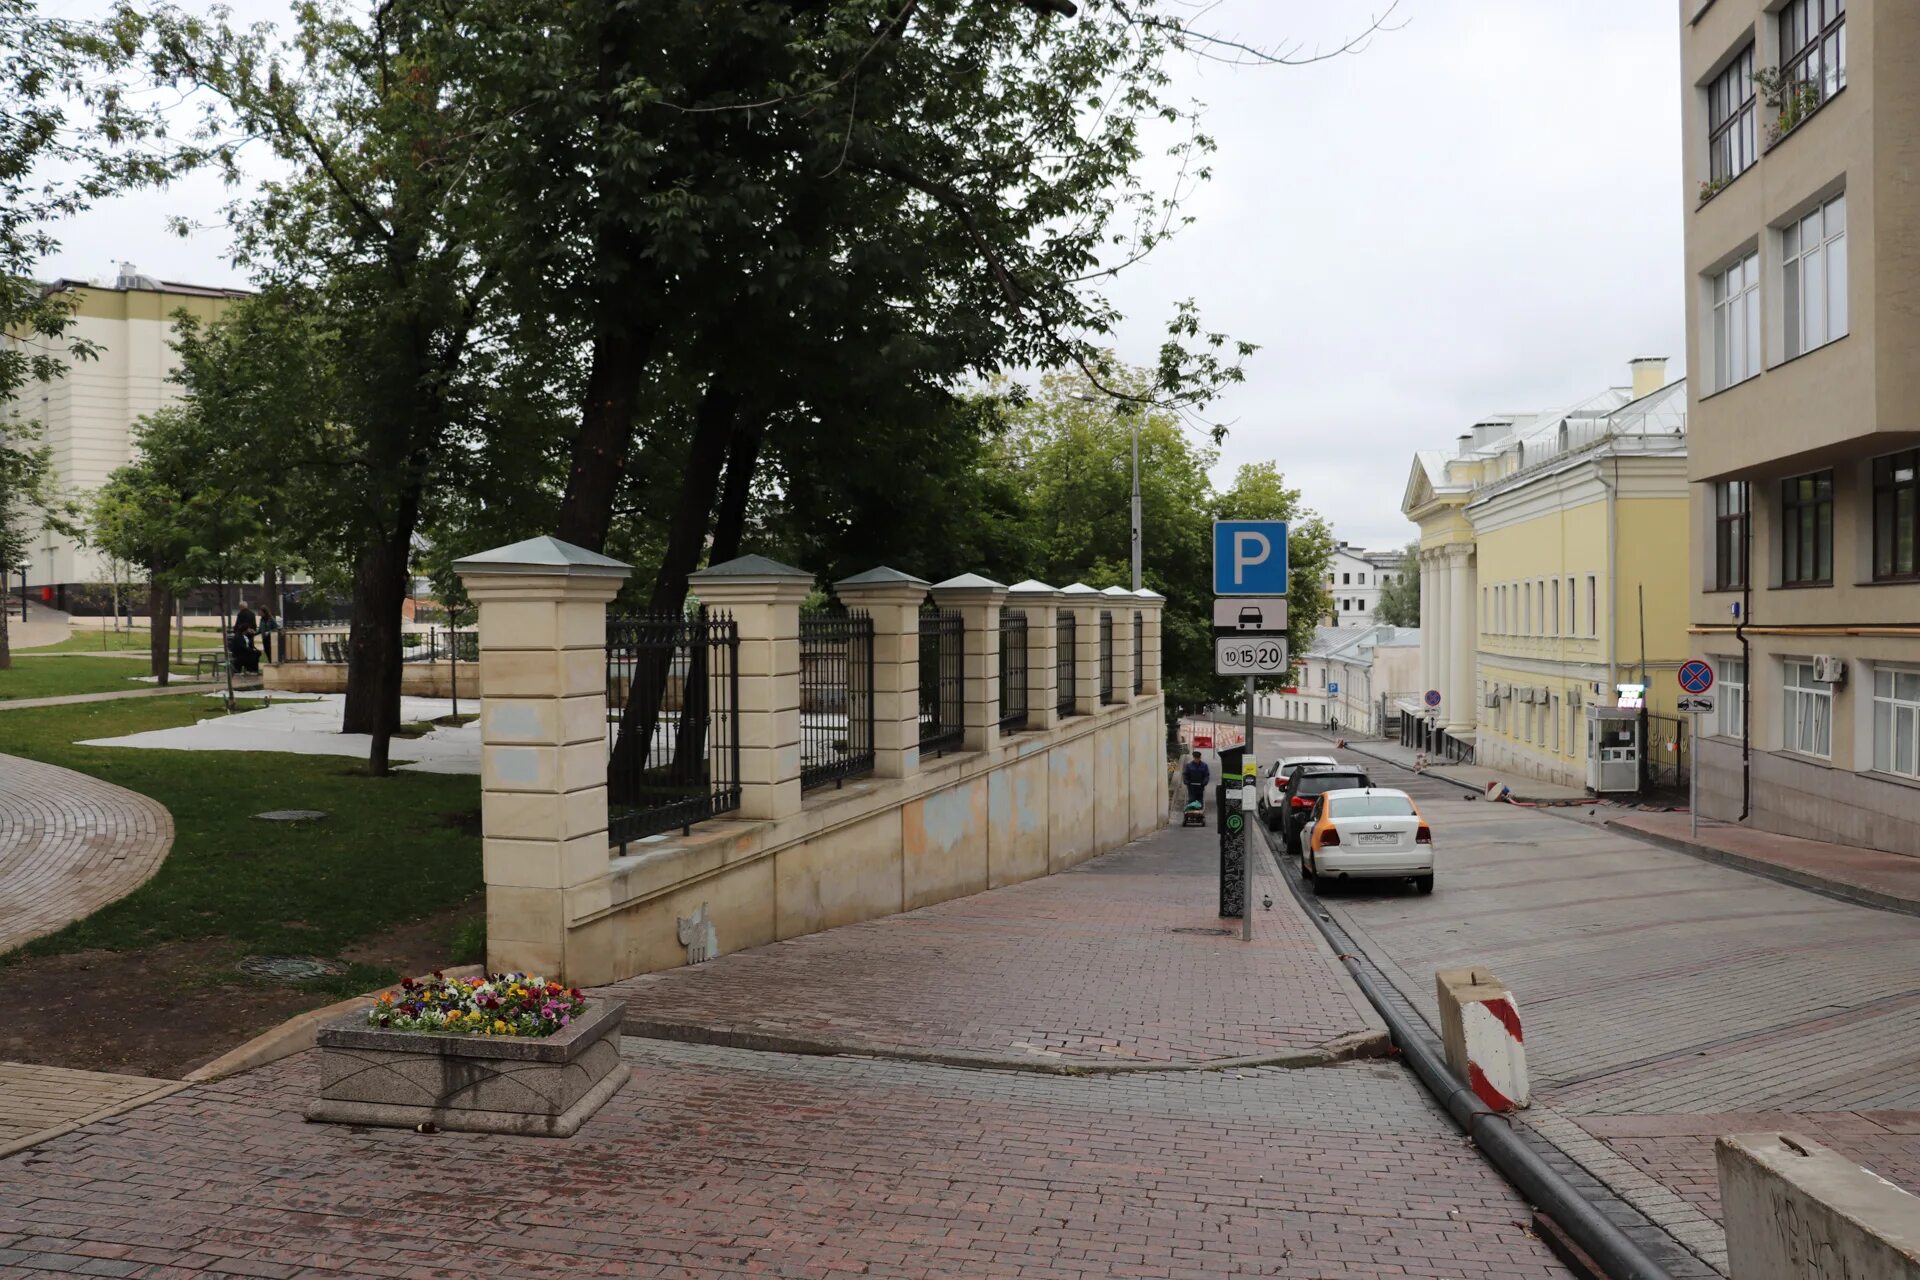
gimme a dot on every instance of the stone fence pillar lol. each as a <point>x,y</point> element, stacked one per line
<point>1087,604</point>
<point>893,600</point>
<point>543,735</point>
<point>763,597</point>
<point>1151,605</point>
<point>978,601</point>
<point>1122,603</point>
<point>1040,603</point>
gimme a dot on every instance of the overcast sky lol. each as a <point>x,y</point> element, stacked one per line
<point>1476,214</point>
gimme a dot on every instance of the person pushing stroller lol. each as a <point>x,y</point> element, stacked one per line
<point>1196,775</point>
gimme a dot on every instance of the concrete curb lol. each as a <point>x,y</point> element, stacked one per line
<point>292,1036</point>
<point>1364,1044</point>
<point>163,1090</point>
<point>1858,895</point>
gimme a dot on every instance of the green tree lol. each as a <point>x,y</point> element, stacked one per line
<point>1400,599</point>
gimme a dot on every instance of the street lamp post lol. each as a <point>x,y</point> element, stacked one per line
<point>1086,397</point>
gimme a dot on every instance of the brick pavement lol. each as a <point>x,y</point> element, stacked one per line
<point>1882,879</point>
<point>35,1099</point>
<point>719,1162</point>
<point>1665,997</point>
<point>69,845</point>
<point>1087,967</point>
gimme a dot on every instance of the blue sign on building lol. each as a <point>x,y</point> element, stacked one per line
<point>1250,557</point>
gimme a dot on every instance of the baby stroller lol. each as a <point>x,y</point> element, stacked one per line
<point>1195,814</point>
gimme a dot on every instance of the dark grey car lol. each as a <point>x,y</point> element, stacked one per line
<point>1303,789</point>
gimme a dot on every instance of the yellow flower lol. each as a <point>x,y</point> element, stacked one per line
<point>498,1025</point>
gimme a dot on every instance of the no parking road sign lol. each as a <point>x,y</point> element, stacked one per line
<point>1696,676</point>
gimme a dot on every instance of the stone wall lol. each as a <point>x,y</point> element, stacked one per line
<point>417,679</point>
<point>1005,807</point>
<point>1797,796</point>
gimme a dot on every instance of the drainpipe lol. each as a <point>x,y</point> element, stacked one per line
<point>1746,660</point>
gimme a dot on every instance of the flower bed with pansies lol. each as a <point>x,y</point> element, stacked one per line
<point>500,1004</point>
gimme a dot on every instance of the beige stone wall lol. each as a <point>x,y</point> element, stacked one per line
<point>417,679</point>
<point>1026,807</point>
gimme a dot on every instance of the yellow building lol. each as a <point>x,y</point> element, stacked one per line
<point>1554,572</point>
<point>88,415</point>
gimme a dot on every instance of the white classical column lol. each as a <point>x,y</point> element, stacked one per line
<point>1429,632</point>
<point>1461,639</point>
<point>1442,637</point>
<point>763,597</point>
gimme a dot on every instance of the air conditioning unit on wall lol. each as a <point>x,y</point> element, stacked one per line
<point>1828,669</point>
<point>1493,698</point>
<point>1526,693</point>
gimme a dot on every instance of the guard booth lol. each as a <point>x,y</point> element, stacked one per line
<point>1614,746</point>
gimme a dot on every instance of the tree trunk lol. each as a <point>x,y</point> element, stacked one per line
<point>159,619</point>
<point>620,355</point>
<point>6,642</point>
<point>686,538</point>
<point>373,643</point>
<point>743,456</point>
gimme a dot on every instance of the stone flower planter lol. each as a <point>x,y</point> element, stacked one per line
<point>477,1084</point>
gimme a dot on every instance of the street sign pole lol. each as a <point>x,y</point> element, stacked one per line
<point>1693,778</point>
<point>1247,794</point>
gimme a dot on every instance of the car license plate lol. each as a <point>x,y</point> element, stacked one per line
<point>1381,837</point>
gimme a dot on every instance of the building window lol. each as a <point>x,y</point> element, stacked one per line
<point>1486,615</point>
<point>1526,608</point>
<point>1730,130</point>
<point>1813,55</point>
<point>1730,534</point>
<point>1736,323</point>
<point>1360,580</point>
<point>1573,611</point>
<point>1732,678</point>
<point>1896,495</point>
<point>1540,603</point>
<point>1896,721</point>
<point>1806,530</point>
<point>1346,579</point>
<point>1593,605</point>
<point>1813,256</point>
<point>1807,718</point>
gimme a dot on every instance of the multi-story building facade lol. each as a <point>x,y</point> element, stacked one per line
<point>1802,210</point>
<point>1554,571</point>
<point>1344,678</point>
<point>88,415</point>
<point>1354,581</point>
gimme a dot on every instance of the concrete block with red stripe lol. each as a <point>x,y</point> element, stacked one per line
<point>1480,1024</point>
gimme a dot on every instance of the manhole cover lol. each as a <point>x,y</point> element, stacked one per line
<point>1212,933</point>
<point>290,968</point>
<point>292,815</point>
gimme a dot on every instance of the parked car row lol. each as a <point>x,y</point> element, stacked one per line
<point>1332,817</point>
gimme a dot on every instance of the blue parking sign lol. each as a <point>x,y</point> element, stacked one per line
<point>1250,557</point>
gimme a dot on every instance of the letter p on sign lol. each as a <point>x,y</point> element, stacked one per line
<point>1250,558</point>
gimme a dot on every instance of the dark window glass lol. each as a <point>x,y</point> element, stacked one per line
<point>1806,529</point>
<point>1730,534</point>
<point>1896,495</point>
<point>1813,55</point>
<point>1730,131</point>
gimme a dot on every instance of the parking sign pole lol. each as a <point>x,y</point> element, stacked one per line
<point>1693,777</point>
<point>1247,794</point>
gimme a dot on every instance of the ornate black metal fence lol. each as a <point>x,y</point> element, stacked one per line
<point>1064,662</point>
<point>1106,657</point>
<point>942,682</point>
<point>1013,671</point>
<point>673,722</point>
<point>1668,752</point>
<point>1139,652</point>
<point>836,697</point>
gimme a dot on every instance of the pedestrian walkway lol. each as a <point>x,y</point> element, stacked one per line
<point>69,845</point>
<point>73,699</point>
<point>42,626</point>
<point>720,1161</point>
<point>1123,961</point>
<point>1869,876</point>
<point>37,1102</point>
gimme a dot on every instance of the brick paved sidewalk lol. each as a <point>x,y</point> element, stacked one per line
<point>69,845</point>
<point>720,1163</point>
<point>1123,960</point>
<point>1888,880</point>
<point>35,1099</point>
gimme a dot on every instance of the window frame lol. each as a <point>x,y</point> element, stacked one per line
<point>1888,489</point>
<point>1797,701</point>
<point>1792,572</point>
<point>1730,535</point>
<point>1730,719</point>
<point>1829,35</point>
<point>1732,120</point>
<point>1797,266</point>
<point>1737,306</point>
<point>1897,705</point>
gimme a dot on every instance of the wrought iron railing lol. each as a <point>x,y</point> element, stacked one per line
<point>836,697</point>
<point>329,644</point>
<point>1106,657</point>
<point>1139,652</point>
<point>1013,671</point>
<point>942,681</point>
<point>673,722</point>
<point>1065,638</point>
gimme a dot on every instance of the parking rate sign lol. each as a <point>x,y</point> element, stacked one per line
<point>1250,557</point>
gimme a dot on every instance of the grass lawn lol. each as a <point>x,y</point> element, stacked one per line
<point>387,885</point>
<point>56,677</point>
<point>91,639</point>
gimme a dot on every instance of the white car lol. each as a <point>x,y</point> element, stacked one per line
<point>1367,833</point>
<point>1273,786</point>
